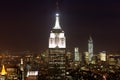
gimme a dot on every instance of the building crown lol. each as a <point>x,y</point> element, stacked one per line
<point>57,23</point>
<point>3,71</point>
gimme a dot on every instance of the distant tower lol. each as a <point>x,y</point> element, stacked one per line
<point>21,64</point>
<point>22,68</point>
<point>77,54</point>
<point>57,52</point>
<point>90,48</point>
<point>102,56</point>
<point>3,71</point>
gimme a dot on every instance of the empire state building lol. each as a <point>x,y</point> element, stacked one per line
<point>57,37</point>
<point>57,52</point>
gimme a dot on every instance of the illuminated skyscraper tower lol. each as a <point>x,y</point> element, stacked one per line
<point>57,52</point>
<point>90,48</point>
<point>57,37</point>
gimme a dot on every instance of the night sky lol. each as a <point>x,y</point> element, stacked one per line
<point>26,24</point>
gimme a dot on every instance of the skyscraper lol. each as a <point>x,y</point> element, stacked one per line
<point>57,52</point>
<point>90,48</point>
<point>77,54</point>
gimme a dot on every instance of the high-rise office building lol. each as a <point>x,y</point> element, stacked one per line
<point>86,57</point>
<point>76,54</point>
<point>57,52</point>
<point>90,48</point>
<point>103,56</point>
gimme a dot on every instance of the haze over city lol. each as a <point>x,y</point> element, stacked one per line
<point>25,25</point>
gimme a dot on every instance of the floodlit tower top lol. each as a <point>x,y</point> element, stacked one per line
<point>57,14</point>
<point>90,38</point>
<point>57,23</point>
<point>3,72</point>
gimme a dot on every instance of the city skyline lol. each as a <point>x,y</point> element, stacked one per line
<point>25,25</point>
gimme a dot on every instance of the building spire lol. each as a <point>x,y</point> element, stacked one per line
<point>57,5</point>
<point>57,23</point>
<point>3,72</point>
<point>90,38</point>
